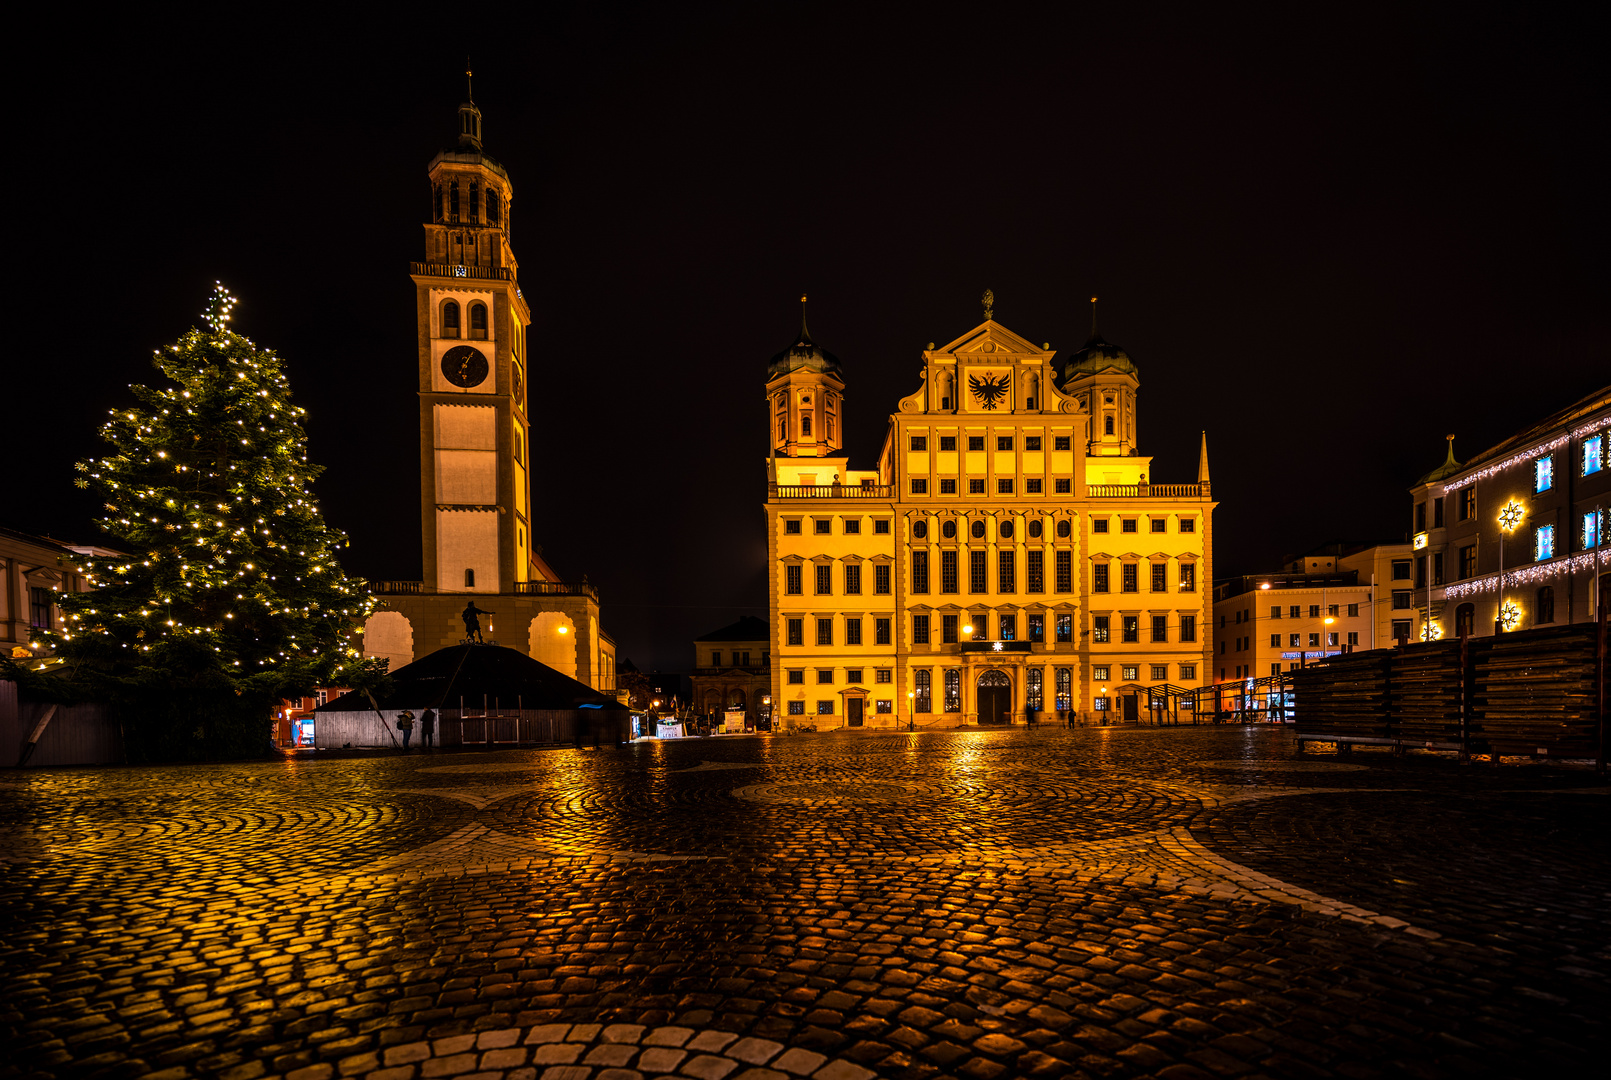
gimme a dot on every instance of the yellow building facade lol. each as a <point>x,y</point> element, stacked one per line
<point>477,519</point>
<point>1008,557</point>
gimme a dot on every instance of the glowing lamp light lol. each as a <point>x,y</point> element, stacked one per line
<point>967,629</point>
<point>1509,616</point>
<point>1511,514</point>
<point>564,629</point>
<point>1264,584</point>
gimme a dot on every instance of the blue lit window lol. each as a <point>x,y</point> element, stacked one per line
<point>1544,542</point>
<point>1593,454</point>
<point>1544,474</point>
<point>1591,529</point>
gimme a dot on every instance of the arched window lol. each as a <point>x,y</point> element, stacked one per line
<point>478,321</point>
<point>475,203</point>
<point>1465,620</point>
<point>450,319</point>
<point>436,201</point>
<point>492,205</point>
<point>1544,606</point>
<point>469,579</point>
<point>453,201</point>
<point>1107,425</point>
<point>805,425</point>
<point>783,429</point>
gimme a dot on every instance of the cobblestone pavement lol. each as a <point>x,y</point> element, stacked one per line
<point>1190,902</point>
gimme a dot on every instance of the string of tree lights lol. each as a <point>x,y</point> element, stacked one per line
<point>230,587</point>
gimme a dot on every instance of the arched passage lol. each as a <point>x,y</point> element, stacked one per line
<point>389,634</point>
<point>552,641</point>
<point>995,697</point>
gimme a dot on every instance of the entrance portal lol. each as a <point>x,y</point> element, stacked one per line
<point>853,710</point>
<point>995,698</point>
<point>1132,711</point>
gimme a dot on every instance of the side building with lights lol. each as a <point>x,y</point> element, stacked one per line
<point>477,518</point>
<point>1515,537</point>
<point>1009,556</point>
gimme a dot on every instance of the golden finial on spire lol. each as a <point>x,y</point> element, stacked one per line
<point>469,84</point>
<point>989,302</point>
<point>1093,316</point>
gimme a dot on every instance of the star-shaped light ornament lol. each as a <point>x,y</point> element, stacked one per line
<point>996,647</point>
<point>1511,514</point>
<point>1509,616</point>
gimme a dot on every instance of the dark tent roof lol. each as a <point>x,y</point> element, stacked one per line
<point>477,672</point>
<point>748,628</point>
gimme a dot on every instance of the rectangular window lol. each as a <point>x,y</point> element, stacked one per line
<point>1099,525</point>
<point>1401,569</point>
<point>1314,641</point>
<point>948,442</point>
<point>796,631</point>
<point>881,579</point>
<point>884,706</point>
<point>824,579</point>
<point>1060,442</point>
<point>976,487</point>
<point>920,487</point>
<point>1593,454</point>
<point>920,629</point>
<point>975,442</point>
<point>41,603</point>
<point>1035,571</point>
<point>1295,612</point>
<point>1132,629</point>
<point>822,526</point>
<point>791,579</point>
<point>1543,543</point>
<point>1063,486</point>
<point>1160,575</point>
<point>1003,442</point>
<point>920,571</point>
<point>1353,637</point>
<point>825,708</point>
<point>1544,473</point>
<point>1129,672</point>
<point>1006,572</point>
<point>852,631</point>
<point>1131,578</point>
<point>1032,486</point>
<point>797,676</point>
<point>948,571</point>
<point>1007,627</point>
<point>1401,629</point>
<point>1187,525</point>
<point>1275,669</point>
<point>881,631</point>
<point>1420,517</point>
<point>1353,611</point>
<point>1188,577</point>
<point>852,526</point>
<point>1127,525</point>
<point>1275,641</point>
<point>825,676</point>
<point>1160,628</point>
<point>1331,638</point>
<point>883,675</point>
<point>881,526</point>
<point>1099,577</point>
<point>1031,442</point>
<point>1437,512</point>
<point>853,676</point>
<point>1468,503</point>
<point>948,487</point>
<point>852,579</point>
<point>791,527</point>
<point>824,631</point>
<point>977,572</point>
<point>1275,611</point>
<point>948,629</point>
<point>1314,611</point>
<point>796,708</point>
<point>1160,672</point>
<point>1468,561</point>
<point>1160,525</point>
<point>1294,640</point>
<point>1437,570</point>
<point>1037,627</point>
<point>716,658</point>
<point>920,442</point>
<point>1188,628</point>
<point>953,690</point>
<point>1003,487</point>
<point>1188,671</point>
<point>1591,529</point>
<point>1403,599</point>
<point>1099,673</point>
<point>1032,690</point>
<point>1063,567</point>
<point>1065,628</point>
<point>1099,629</point>
<point>922,683</point>
<point>1065,688</point>
<point>1420,572</point>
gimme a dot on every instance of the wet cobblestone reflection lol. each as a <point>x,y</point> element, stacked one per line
<point>1181,903</point>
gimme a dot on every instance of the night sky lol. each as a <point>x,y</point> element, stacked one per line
<point>1328,241</point>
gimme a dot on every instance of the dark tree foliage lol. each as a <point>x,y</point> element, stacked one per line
<point>229,596</point>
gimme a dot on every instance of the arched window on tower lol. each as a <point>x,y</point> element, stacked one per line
<point>450,319</point>
<point>783,429</point>
<point>436,201</point>
<point>453,201</point>
<point>1107,425</point>
<point>492,205</point>
<point>475,203</point>
<point>478,321</point>
<point>805,425</point>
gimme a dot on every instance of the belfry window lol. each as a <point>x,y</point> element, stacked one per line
<point>450,319</point>
<point>492,205</point>
<point>453,201</point>
<point>478,321</point>
<point>1107,425</point>
<point>805,426</point>
<point>475,203</point>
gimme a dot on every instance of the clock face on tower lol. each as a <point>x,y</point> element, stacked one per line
<point>464,365</point>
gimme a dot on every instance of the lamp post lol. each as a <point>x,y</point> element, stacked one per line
<point>911,710</point>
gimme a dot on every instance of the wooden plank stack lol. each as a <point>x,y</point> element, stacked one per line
<point>1426,692</point>
<point>1347,695</point>
<point>1535,693</point>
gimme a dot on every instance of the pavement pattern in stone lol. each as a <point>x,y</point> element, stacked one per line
<point>1179,902</point>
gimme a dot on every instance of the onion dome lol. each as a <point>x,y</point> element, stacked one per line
<point>804,355</point>
<point>1444,471</point>
<point>1097,356</point>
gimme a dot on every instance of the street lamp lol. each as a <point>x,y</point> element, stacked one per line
<point>1510,516</point>
<point>911,710</point>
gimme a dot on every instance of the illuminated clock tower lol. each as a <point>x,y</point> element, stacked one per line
<point>475,502</point>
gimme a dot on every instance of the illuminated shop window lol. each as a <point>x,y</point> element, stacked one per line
<point>1544,473</point>
<point>1544,542</point>
<point>1593,454</point>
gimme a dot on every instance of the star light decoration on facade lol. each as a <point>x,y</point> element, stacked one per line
<point>996,647</point>
<point>1511,514</point>
<point>1509,615</point>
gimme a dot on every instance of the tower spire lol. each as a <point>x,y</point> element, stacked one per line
<point>469,84</point>
<point>1202,462</point>
<point>805,335</point>
<point>1093,316</point>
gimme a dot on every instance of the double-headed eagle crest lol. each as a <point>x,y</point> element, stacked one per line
<point>989,390</point>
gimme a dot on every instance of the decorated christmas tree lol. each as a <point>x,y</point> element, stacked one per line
<point>230,596</point>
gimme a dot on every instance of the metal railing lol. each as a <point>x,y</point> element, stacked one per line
<point>1147,491</point>
<point>522,588</point>
<point>747,669</point>
<point>496,273</point>
<point>831,491</point>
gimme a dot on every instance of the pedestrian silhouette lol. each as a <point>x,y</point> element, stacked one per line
<point>472,622</point>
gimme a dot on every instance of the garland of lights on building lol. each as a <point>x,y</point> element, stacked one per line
<point>1528,455</point>
<point>1524,576</point>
